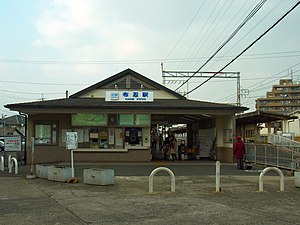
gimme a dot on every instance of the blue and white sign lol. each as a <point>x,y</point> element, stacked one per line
<point>129,96</point>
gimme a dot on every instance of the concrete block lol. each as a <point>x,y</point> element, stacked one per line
<point>297,178</point>
<point>59,173</point>
<point>42,170</point>
<point>98,176</point>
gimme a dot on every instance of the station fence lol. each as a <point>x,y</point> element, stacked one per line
<point>280,152</point>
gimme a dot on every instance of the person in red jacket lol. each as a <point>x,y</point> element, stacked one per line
<point>239,152</point>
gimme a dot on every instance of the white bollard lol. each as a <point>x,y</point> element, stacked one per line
<point>262,174</point>
<point>161,169</point>
<point>9,161</point>
<point>218,178</point>
<point>13,161</point>
<point>2,163</point>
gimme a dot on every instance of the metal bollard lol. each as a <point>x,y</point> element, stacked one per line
<point>13,161</point>
<point>9,161</point>
<point>2,163</point>
<point>161,169</point>
<point>262,174</point>
<point>218,169</point>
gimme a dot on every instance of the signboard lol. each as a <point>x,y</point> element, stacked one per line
<point>129,96</point>
<point>89,119</point>
<point>126,120</point>
<point>142,120</point>
<point>13,143</point>
<point>72,140</point>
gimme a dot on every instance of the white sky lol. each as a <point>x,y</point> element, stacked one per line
<point>48,47</point>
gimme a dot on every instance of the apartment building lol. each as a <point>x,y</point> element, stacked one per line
<point>283,99</point>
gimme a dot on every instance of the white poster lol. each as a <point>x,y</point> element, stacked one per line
<point>13,143</point>
<point>80,135</point>
<point>63,134</point>
<point>72,140</point>
<point>119,134</point>
<point>111,136</point>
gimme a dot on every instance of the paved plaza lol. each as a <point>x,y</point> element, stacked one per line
<point>39,201</point>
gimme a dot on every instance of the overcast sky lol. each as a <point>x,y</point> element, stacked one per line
<point>50,46</point>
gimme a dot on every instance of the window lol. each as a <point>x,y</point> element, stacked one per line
<point>45,133</point>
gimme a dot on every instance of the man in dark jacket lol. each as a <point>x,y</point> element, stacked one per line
<point>239,152</point>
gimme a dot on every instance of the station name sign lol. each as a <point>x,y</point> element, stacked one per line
<point>129,96</point>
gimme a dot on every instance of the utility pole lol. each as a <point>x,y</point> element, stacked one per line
<point>3,124</point>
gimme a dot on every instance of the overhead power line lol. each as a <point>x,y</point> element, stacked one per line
<point>272,9</point>
<point>283,54</point>
<point>248,17</point>
<point>30,93</point>
<point>37,83</point>
<point>249,46</point>
<point>253,88</point>
<point>186,29</point>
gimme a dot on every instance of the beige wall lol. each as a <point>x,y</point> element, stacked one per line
<point>224,150</point>
<point>64,122</point>
<point>52,154</point>
<point>44,154</point>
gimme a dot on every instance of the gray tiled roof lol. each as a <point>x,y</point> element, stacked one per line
<point>98,103</point>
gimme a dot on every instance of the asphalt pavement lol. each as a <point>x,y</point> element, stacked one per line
<point>128,201</point>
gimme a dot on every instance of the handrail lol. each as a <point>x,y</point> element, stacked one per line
<point>274,155</point>
<point>161,169</point>
<point>281,140</point>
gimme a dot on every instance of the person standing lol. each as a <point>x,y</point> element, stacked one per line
<point>239,152</point>
<point>173,147</point>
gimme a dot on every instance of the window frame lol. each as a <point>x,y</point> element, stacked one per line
<point>54,130</point>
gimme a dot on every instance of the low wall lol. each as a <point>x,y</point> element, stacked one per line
<point>56,154</point>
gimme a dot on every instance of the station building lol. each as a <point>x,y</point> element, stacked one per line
<point>113,120</point>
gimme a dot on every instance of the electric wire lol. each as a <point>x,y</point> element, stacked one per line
<point>213,31</point>
<point>147,61</point>
<point>38,83</point>
<point>228,24</point>
<point>265,80</point>
<point>232,23</point>
<point>249,46</point>
<point>251,14</point>
<point>186,29</point>
<point>242,38</point>
<point>210,29</point>
<point>200,31</point>
<point>31,93</point>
